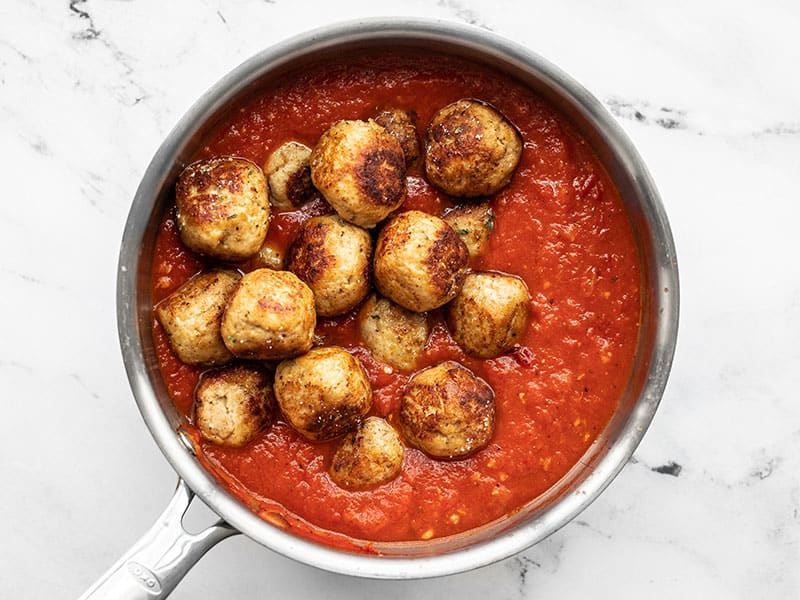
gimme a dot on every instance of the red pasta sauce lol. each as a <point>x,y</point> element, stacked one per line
<point>560,226</point>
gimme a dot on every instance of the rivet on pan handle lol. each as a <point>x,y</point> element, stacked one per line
<point>158,561</point>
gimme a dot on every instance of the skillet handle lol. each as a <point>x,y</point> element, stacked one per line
<point>158,561</point>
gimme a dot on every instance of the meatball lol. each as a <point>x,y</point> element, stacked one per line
<point>394,335</point>
<point>222,207</point>
<point>420,262</point>
<point>360,169</point>
<point>289,175</point>
<point>269,256</point>
<point>233,404</point>
<point>369,456</point>
<point>191,317</point>
<point>489,315</point>
<point>447,411</point>
<point>333,258</point>
<point>471,149</point>
<point>269,316</point>
<point>323,393</point>
<point>403,126</point>
<point>474,224</point>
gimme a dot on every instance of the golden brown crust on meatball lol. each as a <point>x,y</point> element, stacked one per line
<point>447,411</point>
<point>191,317</point>
<point>222,207</point>
<point>233,404</point>
<point>402,124</point>
<point>474,224</point>
<point>489,314</point>
<point>420,262</point>
<point>394,335</point>
<point>370,455</point>
<point>471,149</point>
<point>323,393</point>
<point>288,174</point>
<point>333,258</point>
<point>360,170</point>
<point>269,316</point>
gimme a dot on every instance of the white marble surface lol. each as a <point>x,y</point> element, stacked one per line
<point>709,93</point>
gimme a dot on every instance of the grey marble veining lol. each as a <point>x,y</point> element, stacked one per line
<point>710,505</point>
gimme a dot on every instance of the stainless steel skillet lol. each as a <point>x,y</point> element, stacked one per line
<point>153,567</point>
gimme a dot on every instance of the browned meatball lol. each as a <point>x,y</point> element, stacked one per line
<point>270,316</point>
<point>233,404</point>
<point>360,169</point>
<point>222,207</point>
<point>402,125</point>
<point>447,411</point>
<point>471,149</point>
<point>288,174</point>
<point>333,257</point>
<point>474,224</point>
<point>394,335</point>
<point>370,455</point>
<point>489,314</point>
<point>420,262</point>
<point>191,317</point>
<point>323,393</point>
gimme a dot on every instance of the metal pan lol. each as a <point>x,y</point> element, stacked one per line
<point>159,560</point>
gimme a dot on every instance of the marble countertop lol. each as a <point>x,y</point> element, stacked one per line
<point>709,93</point>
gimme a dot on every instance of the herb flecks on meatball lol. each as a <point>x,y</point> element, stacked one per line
<point>192,315</point>
<point>360,169</point>
<point>489,314</point>
<point>233,404</point>
<point>402,124</point>
<point>324,393</point>
<point>420,262</point>
<point>270,316</point>
<point>222,207</point>
<point>474,224</point>
<point>471,149</point>
<point>288,172</point>
<point>369,456</point>
<point>333,258</point>
<point>447,411</point>
<point>395,336</point>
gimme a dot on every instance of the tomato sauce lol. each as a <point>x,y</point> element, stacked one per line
<point>560,225</point>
